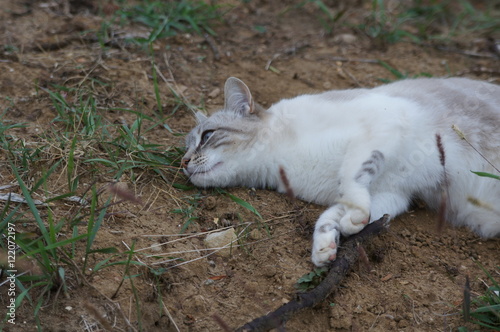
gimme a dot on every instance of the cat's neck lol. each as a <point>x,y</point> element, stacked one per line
<point>260,166</point>
<point>287,138</point>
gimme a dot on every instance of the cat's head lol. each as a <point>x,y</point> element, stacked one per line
<point>217,146</point>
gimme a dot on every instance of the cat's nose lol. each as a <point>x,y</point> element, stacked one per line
<point>185,162</point>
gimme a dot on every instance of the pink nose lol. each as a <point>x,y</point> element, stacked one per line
<point>185,162</point>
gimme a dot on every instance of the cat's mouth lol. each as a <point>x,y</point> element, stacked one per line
<point>202,171</point>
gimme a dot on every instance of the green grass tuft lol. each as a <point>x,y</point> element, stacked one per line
<point>167,18</point>
<point>484,310</point>
<point>421,21</point>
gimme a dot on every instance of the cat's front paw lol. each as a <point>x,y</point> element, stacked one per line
<point>338,219</point>
<point>326,237</point>
<point>325,244</point>
<point>353,221</point>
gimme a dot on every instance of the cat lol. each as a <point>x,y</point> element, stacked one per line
<point>361,152</point>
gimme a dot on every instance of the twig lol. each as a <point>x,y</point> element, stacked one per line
<point>170,317</point>
<point>467,53</point>
<point>352,77</point>
<point>211,42</point>
<point>466,304</point>
<point>341,59</point>
<point>339,269</point>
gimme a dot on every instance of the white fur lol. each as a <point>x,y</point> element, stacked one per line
<point>322,142</point>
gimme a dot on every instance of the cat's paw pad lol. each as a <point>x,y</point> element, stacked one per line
<point>325,243</point>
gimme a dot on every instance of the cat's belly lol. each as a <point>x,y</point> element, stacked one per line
<point>322,192</point>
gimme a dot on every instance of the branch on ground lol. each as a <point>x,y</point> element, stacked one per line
<point>347,257</point>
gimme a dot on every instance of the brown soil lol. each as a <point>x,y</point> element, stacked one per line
<point>416,276</point>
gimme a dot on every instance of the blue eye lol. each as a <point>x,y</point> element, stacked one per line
<point>206,135</point>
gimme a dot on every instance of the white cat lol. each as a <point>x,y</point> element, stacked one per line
<point>362,152</point>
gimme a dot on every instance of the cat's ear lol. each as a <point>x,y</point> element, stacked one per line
<point>200,116</point>
<point>238,97</point>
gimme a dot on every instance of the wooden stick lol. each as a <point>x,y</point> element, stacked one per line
<point>348,256</point>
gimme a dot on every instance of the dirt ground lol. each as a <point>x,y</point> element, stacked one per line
<point>417,282</point>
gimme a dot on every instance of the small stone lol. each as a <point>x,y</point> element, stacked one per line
<point>220,239</point>
<point>208,282</point>
<point>156,247</point>
<point>214,93</point>
<point>255,234</point>
<point>345,38</point>
<point>68,308</point>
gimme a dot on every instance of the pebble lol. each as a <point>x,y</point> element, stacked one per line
<point>214,93</point>
<point>255,234</point>
<point>345,38</point>
<point>208,282</point>
<point>156,247</point>
<point>220,239</point>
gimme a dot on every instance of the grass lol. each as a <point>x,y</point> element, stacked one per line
<point>80,145</point>
<point>83,148</point>
<point>420,21</point>
<point>326,15</point>
<point>483,309</point>
<point>398,75</point>
<point>416,21</point>
<point>168,18</point>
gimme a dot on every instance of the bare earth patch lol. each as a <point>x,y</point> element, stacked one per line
<point>417,275</point>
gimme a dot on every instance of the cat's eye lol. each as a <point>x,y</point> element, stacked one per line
<point>206,135</point>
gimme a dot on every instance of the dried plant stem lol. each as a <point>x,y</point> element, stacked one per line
<point>462,136</point>
<point>286,183</point>
<point>444,186</point>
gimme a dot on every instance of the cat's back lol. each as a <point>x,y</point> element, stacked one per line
<point>426,91</point>
<point>447,95</point>
<point>423,104</point>
<point>438,100</point>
